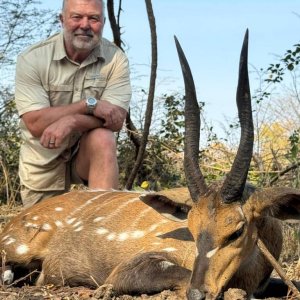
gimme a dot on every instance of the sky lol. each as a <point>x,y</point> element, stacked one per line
<point>211,34</point>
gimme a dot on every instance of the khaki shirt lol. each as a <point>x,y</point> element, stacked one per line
<point>46,77</point>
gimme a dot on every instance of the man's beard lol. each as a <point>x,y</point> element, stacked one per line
<point>82,40</point>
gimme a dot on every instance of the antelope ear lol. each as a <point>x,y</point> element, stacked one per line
<point>173,204</point>
<point>279,202</point>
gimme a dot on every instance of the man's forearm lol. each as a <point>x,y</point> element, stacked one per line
<point>37,121</point>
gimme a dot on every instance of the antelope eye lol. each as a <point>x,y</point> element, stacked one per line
<point>235,235</point>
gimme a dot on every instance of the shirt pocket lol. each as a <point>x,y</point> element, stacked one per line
<point>60,94</point>
<point>94,87</point>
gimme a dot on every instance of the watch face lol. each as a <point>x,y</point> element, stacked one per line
<point>91,105</point>
<point>91,101</point>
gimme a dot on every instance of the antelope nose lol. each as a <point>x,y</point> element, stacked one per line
<point>195,294</point>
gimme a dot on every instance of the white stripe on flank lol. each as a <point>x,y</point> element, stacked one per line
<point>118,211</point>
<point>59,223</point>
<point>77,224</point>
<point>5,237</point>
<point>70,221</point>
<point>98,219</point>
<point>154,226</point>
<point>79,208</point>
<point>78,229</point>
<point>10,240</point>
<point>141,216</point>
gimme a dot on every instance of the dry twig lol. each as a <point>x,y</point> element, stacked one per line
<point>278,268</point>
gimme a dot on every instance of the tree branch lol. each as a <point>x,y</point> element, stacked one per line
<point>286,170</point>
<point>149,108</point>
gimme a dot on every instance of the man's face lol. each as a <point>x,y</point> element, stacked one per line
<point>82,22</point>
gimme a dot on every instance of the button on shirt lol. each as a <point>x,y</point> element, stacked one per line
<point>45,77</point>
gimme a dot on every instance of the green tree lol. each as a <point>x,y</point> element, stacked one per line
<point>22,23</point>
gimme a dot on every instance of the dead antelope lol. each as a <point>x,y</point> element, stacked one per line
<point>143,243</point>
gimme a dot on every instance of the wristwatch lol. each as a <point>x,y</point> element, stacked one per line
<point>91,103</point>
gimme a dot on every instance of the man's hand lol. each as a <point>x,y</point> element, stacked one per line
<point>54,134</point>
<point>112,115</point>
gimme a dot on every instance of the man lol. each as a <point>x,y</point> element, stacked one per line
<point>72,94</point>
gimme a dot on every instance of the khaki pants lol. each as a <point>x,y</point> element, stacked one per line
<point>30,197</point>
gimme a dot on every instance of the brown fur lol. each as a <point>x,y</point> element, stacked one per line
<point>136,240</point>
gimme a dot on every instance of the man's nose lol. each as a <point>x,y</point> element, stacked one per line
<point>84,23</point>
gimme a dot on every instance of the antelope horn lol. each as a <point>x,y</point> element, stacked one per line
<point>194,177</point>
<point>235,181</point>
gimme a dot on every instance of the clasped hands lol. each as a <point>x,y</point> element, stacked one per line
<point>111,116</point>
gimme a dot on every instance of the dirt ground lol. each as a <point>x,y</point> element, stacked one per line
<point>104,292</point>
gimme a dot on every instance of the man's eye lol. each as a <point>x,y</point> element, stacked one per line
<point>235,235</point>
<point>95,19</point>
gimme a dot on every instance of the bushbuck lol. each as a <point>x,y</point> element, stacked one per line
<point>198,242</point>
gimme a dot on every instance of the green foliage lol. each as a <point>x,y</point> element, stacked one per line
<point>289,62</point>
<point>162,166</point>
<point>23,23</point>
<point>9,149</point>
<point>294,140</point>
<point>173,124</point>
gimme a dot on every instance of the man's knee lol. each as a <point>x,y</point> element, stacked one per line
<point>100,138</point>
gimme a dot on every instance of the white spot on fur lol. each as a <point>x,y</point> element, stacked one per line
<point>170,249</point>
<point>9,241</point>
<point>137,234</point>
<point>5,237</point>
<point>22,249</point>
<point>212,252</point>
<point>78,229</point>
<point>77,224</point>
<point>35,218</point>
<point>59,209</point>
<point>59,223</point>
<point>46,227</point>
<point>111,236</point>
<point>123,236</point>
<point>101,231</point>
<point>98,219</point>
<point>70,221</point>
<point>165,265</point>
<point>31,225</point>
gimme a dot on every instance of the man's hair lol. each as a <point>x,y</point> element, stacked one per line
<point>102,3</point>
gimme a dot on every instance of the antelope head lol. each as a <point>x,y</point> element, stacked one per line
<point>227,219</point>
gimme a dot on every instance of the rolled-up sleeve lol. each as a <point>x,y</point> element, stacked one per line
<point>118,88</point>
<point>29,92</point>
